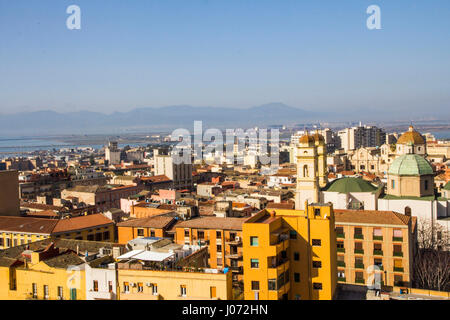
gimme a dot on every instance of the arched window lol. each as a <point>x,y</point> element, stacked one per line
<point>426,184</point>
<point>407,211</point>
<point>305,171</point>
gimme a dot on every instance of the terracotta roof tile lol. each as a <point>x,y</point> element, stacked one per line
<point>82,222</point>
<point>370,217</point>
<point>207,222</point>
<point>158,222</point>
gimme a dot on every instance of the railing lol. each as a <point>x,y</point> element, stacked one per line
<point>340,249</point>
<point>341,263</point>
<point>359,251</point>
<point>397,239</point>
<point>278,263</point>
<point>341,279</point>
<point>398,269</point>
<point>340,235</point>
<point>398,254</point>
<point>377,237</point>
<point>378,252</point>
<point>359,265</point>
<point>359,281</point>
<point>358,236</point>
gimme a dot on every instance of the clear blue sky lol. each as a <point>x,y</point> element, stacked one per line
<point>230,53</point>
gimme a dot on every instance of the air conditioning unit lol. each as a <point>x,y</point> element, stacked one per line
<point>148,284</point>
<point>133,284</point>
<point>237,238</point>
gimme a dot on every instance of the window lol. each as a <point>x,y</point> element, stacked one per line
<point>426,184</point>
<point>154,289</point>
<point>73,294</point>
<point>212,291</point>
<point>219,248</point>
<point>201,234</point>
<point>293,234</point>
<point>126,287</point>
<point>1,242</point>
<point>152,233</point>
<point>340,244</point>
<point>140,287</point>
<point>407,211</point>
<point>34,289</point>
<point>393,184</point>
<point>377,233</point>
<point>95,285</point>
<point>218,234</point>
<point>60,293</point>
<point>272,284</point>
<point>98,236</point>
<point>255,285</point>
<point>305,171</point>
<point>46,297</point>
<point>183,290</point>
<point>316,242</point>
<point>317,212</point>
<point>398,234</point>
<point>110,286</point>
<point>254,241</point>
<point>296,256</point>
<point>317,286</point>
<point>90,237</point>
<point>106,235</point>
<point>317,264</point>
<point>254,263</point>
<point>140,232</point>
<point>186,233</point>
<point>297,277</point>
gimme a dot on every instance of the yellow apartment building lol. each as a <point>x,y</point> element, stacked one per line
<point>173,285</point>
<point>222,235</point>
<point>15,231</point>
<point>290,254</point>
<point>371,243</point>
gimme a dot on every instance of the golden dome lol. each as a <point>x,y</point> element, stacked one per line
<point>306,138</point>
<point>411,137</point>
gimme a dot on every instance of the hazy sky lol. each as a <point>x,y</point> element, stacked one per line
<point>237,53</point>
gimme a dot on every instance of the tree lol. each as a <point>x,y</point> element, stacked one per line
<point>432,261</point>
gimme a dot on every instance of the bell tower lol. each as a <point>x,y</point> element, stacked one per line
<point>322,159</point>
<point>307,172</point>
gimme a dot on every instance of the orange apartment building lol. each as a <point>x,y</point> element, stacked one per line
<point>156,226</point>
<point>373,243</point>
<point>222,235</point>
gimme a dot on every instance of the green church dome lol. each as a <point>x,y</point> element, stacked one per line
<point>347,185</point>
<point>410,165</point>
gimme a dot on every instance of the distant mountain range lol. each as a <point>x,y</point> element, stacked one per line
<point>183,116</point>
<point>170,117</point>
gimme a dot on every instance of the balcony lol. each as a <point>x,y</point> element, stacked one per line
<point>235,256</point>
<point>359,265</point>
<point>358,236</point>
<point>340,235</point>
<point>236,269</point>
<point>234,242</point>
<point>397,239</point>
<point>361,281</point>
<point>359,251</point>
<point>341,264</point>
<point>341,250</point>
<point>377,252</point>
<point>377,238</point>
<point>341,279</point>
<point>398,269</point>
<point>99,295</point>
<point>398,254</point>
